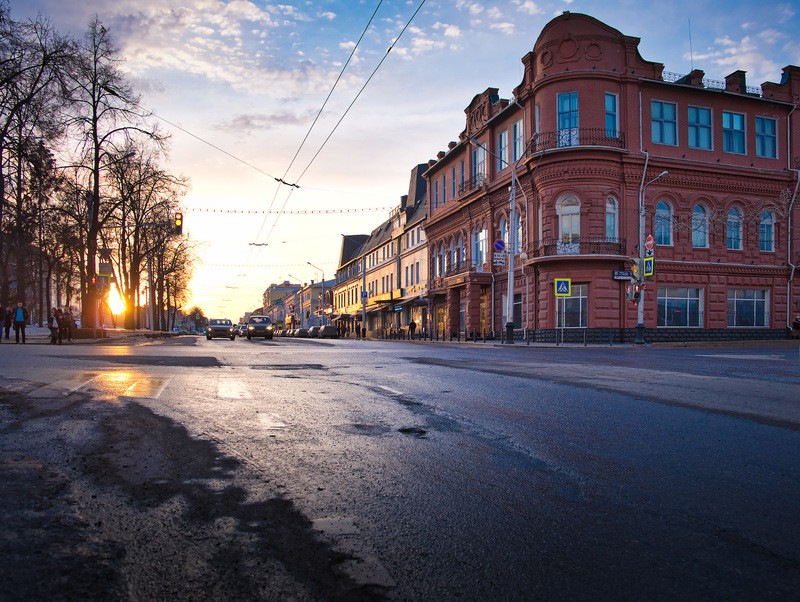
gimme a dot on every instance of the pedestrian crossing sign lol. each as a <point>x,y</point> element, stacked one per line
<point>649,266</point>
<point>563,287</point>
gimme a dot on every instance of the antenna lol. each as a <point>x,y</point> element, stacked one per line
<point>691,52</point>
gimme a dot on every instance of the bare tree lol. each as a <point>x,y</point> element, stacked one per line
<point>106,116</point>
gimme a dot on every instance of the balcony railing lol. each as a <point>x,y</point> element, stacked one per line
<point>471,184</point>
<point>570,137</point>
<point>551,247</point>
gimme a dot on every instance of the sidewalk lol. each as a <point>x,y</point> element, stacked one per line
<point>40,335</point>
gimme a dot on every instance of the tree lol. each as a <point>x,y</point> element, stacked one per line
<point>106,116</point>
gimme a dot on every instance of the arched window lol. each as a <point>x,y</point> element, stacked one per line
<point>733,229</point>
<point>663,224</point>
<point>443,255</point>
<point>461,252</point>
<point>569,219</point>
<point>766,231</point>
<point>453,255</point>
<point>479,248</point>
<point>518,228</point>
<point>699,227</point>
<point>612,227</point>
<point>504,230</point>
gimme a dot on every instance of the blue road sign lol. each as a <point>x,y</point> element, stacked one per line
<point>499,245</point>
<point>649,266</point>
<point>563,287</point>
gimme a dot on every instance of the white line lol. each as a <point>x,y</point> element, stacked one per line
<point>149,388</point>
<point>233,388</point>
<point>61,388</point>
<point>392,391</point>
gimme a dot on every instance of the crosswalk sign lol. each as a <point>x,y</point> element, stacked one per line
<point>563,287</point>
<point>649,266</point>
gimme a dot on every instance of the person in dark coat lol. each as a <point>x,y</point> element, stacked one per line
<point>20,320</point>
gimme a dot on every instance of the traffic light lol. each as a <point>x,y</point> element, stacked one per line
<point>636,268</point>
<point>178,223</point>
<point>637,291</point>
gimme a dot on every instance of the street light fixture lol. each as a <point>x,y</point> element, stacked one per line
<point>639,338</point>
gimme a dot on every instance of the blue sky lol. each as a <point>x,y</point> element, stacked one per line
<point>250,77</point>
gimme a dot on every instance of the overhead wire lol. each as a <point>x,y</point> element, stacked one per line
<point>319,113</point>
<point>350,106</point>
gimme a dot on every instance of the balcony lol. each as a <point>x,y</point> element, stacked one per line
<point>553,247</point>
<point>572,137</point>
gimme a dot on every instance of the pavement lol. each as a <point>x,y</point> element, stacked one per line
<point>40,335</point>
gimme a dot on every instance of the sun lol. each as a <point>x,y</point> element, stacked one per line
<point>115,302</point>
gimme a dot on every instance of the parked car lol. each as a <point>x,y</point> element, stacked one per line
<point>219,327</point>
<point>329,331</point>
<point>313,332</point>
<point>300,333</point>
<point>259,326</point>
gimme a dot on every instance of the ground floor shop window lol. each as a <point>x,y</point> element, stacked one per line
<point>680,306</point>
<point>573,311</point>
<point>748,307</point>
<point>517,309</point>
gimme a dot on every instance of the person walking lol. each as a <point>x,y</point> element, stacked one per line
<point>69,323</point>
<point>20,319</point>
<point>8,320</point>
<point>412,327</point>
<point>53,325</point>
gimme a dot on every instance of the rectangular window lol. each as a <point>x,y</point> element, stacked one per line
<point>462,176</point>
<point>453,184</point>
<point>444,188</point>
<point>478,165</point>
<point>699,122</point>
<point>663,123</point>
<point>502,150</point>
<point>748,307</point>
<point>573,311</point>
<point>612,118</point>
<point>680,307</point>
<point>436,194</point>
<point>733,133</point>
<point>568,119</point>
<point>517,140</point>
<point>766,138</point>
<point>418,272</point>
<point>407,276</point>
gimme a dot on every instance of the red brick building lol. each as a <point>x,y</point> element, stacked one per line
<point>589,135</point>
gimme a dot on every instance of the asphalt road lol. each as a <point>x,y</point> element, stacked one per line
<point>186,469</point>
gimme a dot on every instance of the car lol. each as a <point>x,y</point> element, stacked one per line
<point>329,331</point>
<point>259,326</point>
<point>220,327</point>
<point>300,333</point>
<point>241,330</point>
<point>313,332</point>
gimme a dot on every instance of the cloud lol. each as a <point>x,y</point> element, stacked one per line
<point>330,16</point>
<point>531,8</point>
<point>745,54</point>
<point>448,31</point>
<point>507,28</point>
<point>257,122</point>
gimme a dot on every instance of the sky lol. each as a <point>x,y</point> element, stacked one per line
<point>241,85</point>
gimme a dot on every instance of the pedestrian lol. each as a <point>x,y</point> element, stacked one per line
<point>53,325</point>
<point>412,326</point>
<point>8,320</point>
<point>796,327</point>
<point>20,319</point>
<point>69,323</point>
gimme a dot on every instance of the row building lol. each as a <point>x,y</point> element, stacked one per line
<point>607,201</point>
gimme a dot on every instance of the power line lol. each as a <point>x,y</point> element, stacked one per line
<point>335,127</point>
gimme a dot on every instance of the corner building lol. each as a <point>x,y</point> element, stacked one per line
<point>597,138</point>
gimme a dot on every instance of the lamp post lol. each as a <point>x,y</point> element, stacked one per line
<point>322,313</point>
<point>512,232</point>
<point>639,338</point>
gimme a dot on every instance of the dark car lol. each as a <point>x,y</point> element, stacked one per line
<point>329,331</point>
<point>259,326</point>
<point>220,328</point>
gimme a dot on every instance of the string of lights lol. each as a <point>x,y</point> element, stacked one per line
<point>295,212</point>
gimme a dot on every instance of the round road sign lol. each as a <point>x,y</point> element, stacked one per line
<point>499,245</point>
<point>649,242</point>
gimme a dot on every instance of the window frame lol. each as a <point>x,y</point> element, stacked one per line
<point>568,211</point>
<point>612,226</point>
<point>667,296</point>
<point>568,118</point>
<point>579,293</point>
<point>694,127</point>
<point>733,136</point>
<point>700,224</point>
<point>766,139</point>
<point>502,150</point>
<point>611,114</point>
<point>663,224</point>
<point>757,298</point>
<point>766,232</point>
<point>661,125</point>
<point>735,224</point>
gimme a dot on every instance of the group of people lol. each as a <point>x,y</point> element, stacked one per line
<point>61,323</point>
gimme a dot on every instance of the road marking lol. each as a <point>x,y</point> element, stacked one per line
<point>271,422</point>
<point>392,391</point>
<point>769,358</point>
<point>233,388</point>
<point>149,388</point>
<point>63,387</point>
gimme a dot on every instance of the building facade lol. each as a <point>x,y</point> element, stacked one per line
<point>612,159</point>
<point>382,276</point>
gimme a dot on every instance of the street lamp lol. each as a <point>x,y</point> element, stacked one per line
<point>323,290</point>
<point>639,338</point>
<point>512,231</point>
